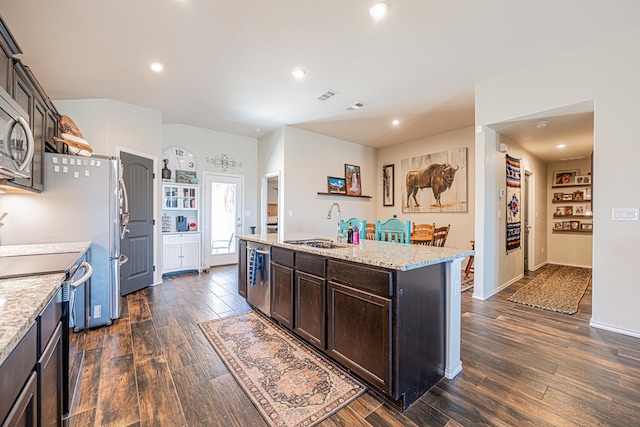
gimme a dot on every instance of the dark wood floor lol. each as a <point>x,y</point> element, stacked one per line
<point>521,367</point>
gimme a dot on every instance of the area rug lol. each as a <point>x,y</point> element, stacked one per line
<point>290,384</point>
<point>558,288</point>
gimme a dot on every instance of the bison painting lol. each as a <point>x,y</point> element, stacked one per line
<point>437,176</point>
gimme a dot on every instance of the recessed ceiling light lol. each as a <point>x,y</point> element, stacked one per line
<point>379,10</point>
<point>560,146</point>
<point>396,122</point>
<point>542,124</point>
<point>299,73</point>
<point>257,130</point>
<point>156,67</point>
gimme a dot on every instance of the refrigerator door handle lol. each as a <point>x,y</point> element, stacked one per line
<point>124,216</point>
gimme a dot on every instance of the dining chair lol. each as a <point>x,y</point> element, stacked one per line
<point>393,230</point>
<point>469,268</point>
<point>361,223</point>
<point>370,231</point>
<point>222,245</point>
<point>422,234</point>
<point>440,235</point>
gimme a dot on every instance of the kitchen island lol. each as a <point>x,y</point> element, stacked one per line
<point>33,337</point>
<point>388,312</point>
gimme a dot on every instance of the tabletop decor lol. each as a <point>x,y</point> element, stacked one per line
<point>290,384</point>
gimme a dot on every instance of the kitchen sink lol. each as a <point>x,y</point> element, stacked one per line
<point>318,243</point>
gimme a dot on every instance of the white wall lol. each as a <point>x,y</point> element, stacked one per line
<point>564,248</point>
<point>205,144</point>
<point>462,223</point>
<point>607,73</point>
<point>271,160</point>
<point>309,159</point>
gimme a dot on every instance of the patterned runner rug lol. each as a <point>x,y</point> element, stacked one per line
<point>558,288</point>
<point>290,384</point>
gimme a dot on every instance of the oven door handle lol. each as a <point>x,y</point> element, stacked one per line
<point>87,274</point>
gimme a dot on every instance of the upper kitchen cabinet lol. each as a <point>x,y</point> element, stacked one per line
<point>8,48</point>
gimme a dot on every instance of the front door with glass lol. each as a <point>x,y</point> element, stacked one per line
<point>223,217</point>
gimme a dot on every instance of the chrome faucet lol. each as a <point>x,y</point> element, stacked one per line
<point>339,239</point>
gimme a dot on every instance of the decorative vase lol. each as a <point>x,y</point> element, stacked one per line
<point>166,172</point>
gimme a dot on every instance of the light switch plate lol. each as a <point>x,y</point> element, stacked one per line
<point>625,214</point>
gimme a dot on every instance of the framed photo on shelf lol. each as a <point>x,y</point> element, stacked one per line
<point>557,197</point>
<point>184,177</point>
<point>587,193</point>
<point>578,195</point>
<point>559,211</point>
<point>336,185</point>
<point>583,179</point>
<point>557,225</point>
<point>352,179</point>
<point>578,210</point>
<point>388,182</point>
<point>564,178</point>
<point>586,226</point>
<point>567,196</point>
<point>575,225</point>
<point>568,210</point>
<point>566,225</point>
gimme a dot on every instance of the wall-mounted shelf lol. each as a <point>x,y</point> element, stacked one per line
<point>342,195</point>
<point>573,231</point>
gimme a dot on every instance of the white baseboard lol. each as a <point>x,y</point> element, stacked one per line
<point>497,290</point>
<point>614,329</point>
<point>451,372</point>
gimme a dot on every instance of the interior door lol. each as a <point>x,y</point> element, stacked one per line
<point>223,207</point>
<point>137,244</point>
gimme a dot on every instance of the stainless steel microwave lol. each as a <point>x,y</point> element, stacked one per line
<point>16,145</point>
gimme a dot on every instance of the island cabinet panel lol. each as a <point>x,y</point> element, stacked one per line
<point>25,411</point>
<point>369,279</point>
<point>242,268</point>
<point>310,306</point>
<point>360,333</point>
<point>282,294</point>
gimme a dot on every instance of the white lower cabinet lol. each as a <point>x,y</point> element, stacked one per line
<point>180,252</point>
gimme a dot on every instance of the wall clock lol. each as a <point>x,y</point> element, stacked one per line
<point>179,159</point>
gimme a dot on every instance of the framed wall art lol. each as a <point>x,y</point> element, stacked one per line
<point>352,179</point>
<point>388,183</point>
<point>336,185</point>
<point>564,178</point>
<point>435,182</point>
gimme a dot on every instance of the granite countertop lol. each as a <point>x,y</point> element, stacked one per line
<point>23,298</point>
<point>395,256</point>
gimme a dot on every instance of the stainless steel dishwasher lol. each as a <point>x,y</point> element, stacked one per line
<point>258,276</point>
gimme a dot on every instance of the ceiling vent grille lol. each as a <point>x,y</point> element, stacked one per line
<point>355,106</point>
<point>328,94</point>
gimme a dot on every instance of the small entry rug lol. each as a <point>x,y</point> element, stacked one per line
<point>558,288</point>
<point>290,384</point>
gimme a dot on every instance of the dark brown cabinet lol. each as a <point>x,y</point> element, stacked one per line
<point>282,294</point>
<point>242,268</point>
<point>359,333</point>
<point>49,370</point>
<point>310,308</point>
<point>25,412</point>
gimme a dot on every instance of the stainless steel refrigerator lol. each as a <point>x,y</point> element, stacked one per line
<point>83,199</point>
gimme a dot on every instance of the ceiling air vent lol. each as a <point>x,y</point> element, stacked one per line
<point>328,94</point>
<point>355,106</point>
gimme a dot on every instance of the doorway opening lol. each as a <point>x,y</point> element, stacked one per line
<point>271,211</point>
<point>223,203</point>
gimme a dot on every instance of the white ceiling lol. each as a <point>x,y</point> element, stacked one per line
<point>228,63</point>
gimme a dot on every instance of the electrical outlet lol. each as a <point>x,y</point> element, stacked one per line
<point>97,311</point>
